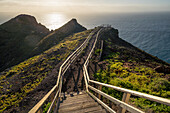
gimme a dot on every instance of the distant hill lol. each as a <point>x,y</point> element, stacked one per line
<point>18,37</point>
<point>23,37</point>
<point>59,34</point>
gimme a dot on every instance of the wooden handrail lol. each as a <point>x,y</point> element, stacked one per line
<point>62,70</point>
<point>139,94</point>
<point>127,92</point>
<point>41,102</point>
<point>120,103</point>
<point>102,103</point>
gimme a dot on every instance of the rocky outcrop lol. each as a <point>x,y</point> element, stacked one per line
<point>163,69</point>
<point>72,27</point>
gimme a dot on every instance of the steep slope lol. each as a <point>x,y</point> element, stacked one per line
<point>126,66</point>
<point>23,85</point>
<point>121,64</point>
<point>22,37</point>
<point>59,34</point>
<point>18,37</point>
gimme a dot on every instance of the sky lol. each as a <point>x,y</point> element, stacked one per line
<point>84,6</point>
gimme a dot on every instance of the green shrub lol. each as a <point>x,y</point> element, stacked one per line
<point>139,77</point>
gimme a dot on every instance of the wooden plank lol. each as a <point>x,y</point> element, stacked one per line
<point>52,106</point>
<point>85,79</point>
<point>126,97</point>
<point>86,72</point>
<point>139,94</point>
<point>101,50</point>
<point>100,88</point>
<point>52,98</point>
<point>40,110</point>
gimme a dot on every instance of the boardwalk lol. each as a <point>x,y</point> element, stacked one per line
<point>88,101</point>
<point>79,103</point>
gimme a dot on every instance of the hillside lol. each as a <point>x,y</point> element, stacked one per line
<point>23,85</point>
<point>126,66</point>
<point>59,34</point>
<point>18,37</point>
<point>22,37</point>
<point>121,64</point>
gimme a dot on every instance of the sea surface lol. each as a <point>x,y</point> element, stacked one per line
<point>147,31</point>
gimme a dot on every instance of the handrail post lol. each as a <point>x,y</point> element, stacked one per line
<point>126,97</point>
<point>57,105</point>
<point>100,88</point>
<point>51,98</point>
<point>40,110</point>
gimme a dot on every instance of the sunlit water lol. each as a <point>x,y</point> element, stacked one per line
<point>52,20</point>
<point>150,32</point>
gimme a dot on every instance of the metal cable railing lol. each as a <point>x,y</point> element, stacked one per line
<point>123,105</point>
<point>55,92</point>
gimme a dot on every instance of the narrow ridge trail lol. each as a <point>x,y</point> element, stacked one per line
<point>73,79</point>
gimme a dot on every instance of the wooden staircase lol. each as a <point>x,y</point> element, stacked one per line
<point>79,103</point>
<point>83,102</point>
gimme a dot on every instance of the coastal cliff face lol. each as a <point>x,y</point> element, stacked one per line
<point>22,37</point>
<point>126,66</point>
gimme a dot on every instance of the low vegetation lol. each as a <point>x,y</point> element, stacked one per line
<point>134,76</point>
<point>126,66</point>
<point>18,81</point>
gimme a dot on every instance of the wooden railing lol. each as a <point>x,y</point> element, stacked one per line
<point>123,105</point>
<point>55,92</point>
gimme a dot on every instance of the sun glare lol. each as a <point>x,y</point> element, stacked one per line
<point>54,20</point>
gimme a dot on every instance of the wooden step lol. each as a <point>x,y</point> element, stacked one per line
<point>79,103</point>
<point>98,111</point>
<point>85,110</point>
<point>67,104</point>
<point>78,107</point>
<point>76,98</point>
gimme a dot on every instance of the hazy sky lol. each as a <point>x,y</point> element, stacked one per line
<point>84,6</point>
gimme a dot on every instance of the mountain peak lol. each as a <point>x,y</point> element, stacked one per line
<point>50,40</point>
<point>72,26</point>
<point>74,20</point>
<point>23,18</point>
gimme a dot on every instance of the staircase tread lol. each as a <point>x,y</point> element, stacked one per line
<point>98,111</point>
<point>79,103</point>
<point>85,110</point>
<point>73,93</point>
<point>79,106</point>
<point>77,97</point>
<point>65,104</point>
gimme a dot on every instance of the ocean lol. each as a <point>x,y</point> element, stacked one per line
<point>147,31</point>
